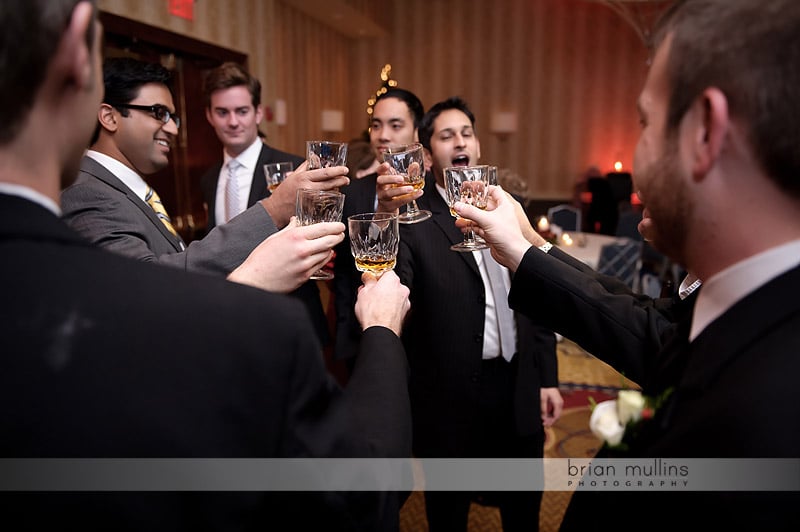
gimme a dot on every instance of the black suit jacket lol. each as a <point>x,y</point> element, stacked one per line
<point>733,395</point>
<point>105,356</point>
<point>309,292</point>
<point>599,312</point>
<point>359,198</point>
<point>444,339</point>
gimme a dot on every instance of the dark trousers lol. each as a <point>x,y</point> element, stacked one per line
<point>498,438</point>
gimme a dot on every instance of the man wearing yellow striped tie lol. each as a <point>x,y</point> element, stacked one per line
<point>112,205</point>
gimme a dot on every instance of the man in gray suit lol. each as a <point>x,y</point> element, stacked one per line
<point>112,205</point>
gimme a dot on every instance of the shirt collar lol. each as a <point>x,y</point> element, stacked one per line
<point>732,284</point>
<point>248,158</point>
<point>129,177</point>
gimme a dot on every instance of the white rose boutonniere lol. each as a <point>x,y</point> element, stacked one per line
<point>612,420</point>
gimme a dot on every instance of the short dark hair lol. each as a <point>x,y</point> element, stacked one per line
<point>123,78</point>
<point>229,75</point>
<point>426,129</point>
<point>410,99</point>
<point>750,50</point>
<point>31,31</point>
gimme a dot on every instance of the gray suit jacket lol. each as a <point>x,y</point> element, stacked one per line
<point>107,213</point>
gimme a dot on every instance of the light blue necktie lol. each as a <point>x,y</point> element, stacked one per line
<point>232,191</point>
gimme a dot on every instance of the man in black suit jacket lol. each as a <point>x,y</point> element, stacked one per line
<point>395,120</point>
<point>715,141</point>
<point>93,364</point>
<point>233,108</point>
<point>469,397</point>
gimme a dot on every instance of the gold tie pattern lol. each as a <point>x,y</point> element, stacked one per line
<point>152,199</point>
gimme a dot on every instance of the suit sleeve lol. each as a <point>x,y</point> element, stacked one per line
<point>111,221</point>
<point>617,327</point>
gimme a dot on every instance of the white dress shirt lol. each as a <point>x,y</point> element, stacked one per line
<point>491,334</point>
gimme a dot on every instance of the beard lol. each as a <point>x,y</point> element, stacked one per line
<point>669,204</point>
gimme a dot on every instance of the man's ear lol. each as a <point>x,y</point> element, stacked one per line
<point>709,124</point>
<point>75,48</point>
<point>107,116</point>
<point>427,159</point>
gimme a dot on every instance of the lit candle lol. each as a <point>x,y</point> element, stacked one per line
<point>618,166</point>
<point>543,225</point>
<point>566,239</point>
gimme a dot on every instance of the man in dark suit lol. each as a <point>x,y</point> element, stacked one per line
<point>233,108</point>
<point>395,120</point>
<point>93,364</point>
<point>473,393</point>
<point>112,205</point>
<point>715,140</point>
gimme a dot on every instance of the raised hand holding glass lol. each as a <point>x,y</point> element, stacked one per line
<point>315,206</point>
<point>468,184</point>
<point>408,161</point>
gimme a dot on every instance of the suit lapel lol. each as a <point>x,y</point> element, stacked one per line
<point>740,326</point>
<point>92,167</point>
<point>258,187</point>
<point>442,218</point>
<point>212,194</point>
<point>689,369</point>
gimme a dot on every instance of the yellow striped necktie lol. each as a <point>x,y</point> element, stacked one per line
<point>152,199</point>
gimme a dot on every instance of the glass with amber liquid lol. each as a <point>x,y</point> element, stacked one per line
<point>374,239</point>
<point>408,161</point>
<point>275,173</point>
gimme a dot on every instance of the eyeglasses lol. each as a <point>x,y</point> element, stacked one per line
<point>158,111</point>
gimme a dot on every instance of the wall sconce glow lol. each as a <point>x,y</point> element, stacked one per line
<point>332,120</point>
<point>618,166</point>
<point>280,112</point>
<point>503,122</point>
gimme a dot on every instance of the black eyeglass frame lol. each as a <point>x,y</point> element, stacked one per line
<point>158,111</point>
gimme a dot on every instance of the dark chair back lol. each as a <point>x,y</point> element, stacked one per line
<point>565,216</point>
<point>621,259</point>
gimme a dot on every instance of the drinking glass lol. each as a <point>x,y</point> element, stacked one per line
<point>468,184</point>
<point>408,161</point>
<point>322,153</point>
<point>374,239</point>
<point>276,173</point>
<point>315,206</point>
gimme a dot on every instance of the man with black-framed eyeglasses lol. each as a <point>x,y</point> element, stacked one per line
<point>159,112</point>
<point>112,205</point>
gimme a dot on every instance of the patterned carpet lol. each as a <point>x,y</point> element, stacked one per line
<point>580,376</point>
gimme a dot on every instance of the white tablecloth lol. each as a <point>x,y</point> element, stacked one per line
<point>586,246</point>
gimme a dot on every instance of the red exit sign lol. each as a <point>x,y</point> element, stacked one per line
<point>182,8</point>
